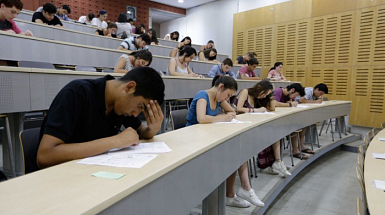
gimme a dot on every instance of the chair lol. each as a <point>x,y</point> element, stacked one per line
<point>29,140</point>
<point>366,142</point>
<point>361,151</point>
<point>360,162</point>
<point>175,104</point>
<point>361,209</point>
<point>360,180</point>
<point>178,118</point>
<point>10,147</point>
<point>383,125</point>
<point>35,64</point>
<point>295,133</point>
<point>375,131</point>
<point>370,135</point>
<point>85,68</point>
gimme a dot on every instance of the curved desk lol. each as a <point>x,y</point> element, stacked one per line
<point>375,170</point>
<point>203,157</point>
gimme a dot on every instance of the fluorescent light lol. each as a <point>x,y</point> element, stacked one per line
<point>129,12</point>
<point>180,1</point>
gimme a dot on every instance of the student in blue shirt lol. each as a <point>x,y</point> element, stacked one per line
<point>224,69</point>
<point>205,105</point>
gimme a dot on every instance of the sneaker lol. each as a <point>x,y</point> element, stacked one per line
<point>270,171</point>
<point>280,166</point>
<point>250,196</point>
<point>237,202</point>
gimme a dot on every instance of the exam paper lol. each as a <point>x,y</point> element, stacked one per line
<point>233,121</point>
<point>119,160</point>
<point>381,138</point>
<point>144,148</point>
<point>378,155</point>
<point>262,113</point>
<point>379,184</point>
<point>302,106</point>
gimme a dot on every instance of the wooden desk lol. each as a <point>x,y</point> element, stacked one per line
<point>203,157</point>
<point>374,169</point>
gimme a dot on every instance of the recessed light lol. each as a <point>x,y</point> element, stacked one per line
<point>180,1</point>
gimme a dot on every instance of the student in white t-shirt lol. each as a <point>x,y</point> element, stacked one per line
<point>172,36</point>
<point>86,19</point>
<point>123,26</point>
<point>100,21</point>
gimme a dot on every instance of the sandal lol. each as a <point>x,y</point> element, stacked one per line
<point>298,155</point>
<point>308,151</point>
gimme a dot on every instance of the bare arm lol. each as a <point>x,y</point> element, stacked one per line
<point>202,48</point>
<point>204,119</point>
<point>39,21</point>
<point>119,68</point>
<point>201,56</point>
<point>167,38</point>
<point>244,77</point>
<point>154,118</point>
<point>304,100</point>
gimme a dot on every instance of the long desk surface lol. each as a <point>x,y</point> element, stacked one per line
<point>202,157</point>
<point>375,170</point>
<point>21,47</point>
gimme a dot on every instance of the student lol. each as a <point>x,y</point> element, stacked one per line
<point>135,43</point>
<point>87,114</point>
<point>205,105</point>
<point>100,21</point>
<point>314,95</point>
<point>154,39</point>
<point>47,16</point>
<point>209,45</point>
<point>61,12</point>
<point>245,58</point>
<point>208,55</point>
<point>109,32</point>
<point>86,19</point>
<point>178,66</point>
<point>131,21</point>
<point>259,99</point>
<point>183,43</point>
<point>275,73</point>
<point>172,36</point>
<point>135,59</point>
<point>223,69</point>
<point>123,26</point>
<point>285,97</point>
<point>141,29</point>
<point>247,72</point>
<point>9,9</point>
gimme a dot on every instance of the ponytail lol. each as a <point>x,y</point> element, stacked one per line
<point>227,81</point>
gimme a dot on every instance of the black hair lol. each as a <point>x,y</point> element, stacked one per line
<point>188,50</point>
<point>130,20</point>
<point>67,8</point>
<point>251,54</point>
<point>122,18</point>
<point>277,64</point>
<point>153,37</point>
<point>206,53</point>
<point>112,25</point>
<point>297,88</point>
<point>227,61</point>
<point>10,3</point>
<point>262,87</point>
<point>91,16</point>
<point>139,27</point>
<point>322,87</point>
<point>149,84</point>
<point>144,55</point>
<point>49,8</point>
<point>227,81</point>
<point>210,41</point>
<point>253,61</point>
<point>187,38</point>
<point>146,38</point>
<point>174,33</point>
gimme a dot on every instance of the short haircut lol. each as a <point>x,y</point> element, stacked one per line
<point>322,87</point>
<point>122,18</point>
<point>144,55</point>
<point>145,38</point>
<point>67,8</point>
<point>49,8</point>
<point>91,16</point>
<point>130,20</point>
<point>228,62</point>
<point>297,88</point>
<point>253,61</point>
<point>228,82</point>
<point>210,41</point>
<point>149,84</point>
<point>10,3</point>
<point>112,25</point>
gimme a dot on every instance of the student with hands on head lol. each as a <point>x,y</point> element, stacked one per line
<point>205,105</point>
<point>178,66</point>
<point>209,45</point>
<point>87,114</point>
<point>9,9</point>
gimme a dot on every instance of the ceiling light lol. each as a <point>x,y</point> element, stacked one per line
<point>180,1</point>
<point>129,12</point>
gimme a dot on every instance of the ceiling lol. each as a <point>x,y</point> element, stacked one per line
<point>185,5</point>
<point>160,16</point>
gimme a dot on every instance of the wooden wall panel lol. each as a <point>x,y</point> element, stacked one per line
<point>369,3</point>
<point>292,10</point>
<point>296,74</point>
<point>238,34</point>
<point>325,7</point>
<point>260,17</point>
<point>263,45</point>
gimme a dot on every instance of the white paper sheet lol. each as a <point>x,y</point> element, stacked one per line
<point>144,148</point>
<point>302,106</point>
<point>381,138</point>
<point>378,155</point>
<point>379,184</point>
<point>233,121</point>
<point>262,113</point>
<point>119,160</point>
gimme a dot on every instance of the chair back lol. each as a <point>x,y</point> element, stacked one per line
<point>375,131</point>
<point>370,135</point>
<point>361,209</point>
<point>29,140</point>
<point>360,180</point>
<point>383,125</point>
<point>178,118</point>
<point>35,64</point>
<point>360,162</point>
<point>361,150</point>
<point>85,68</point>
